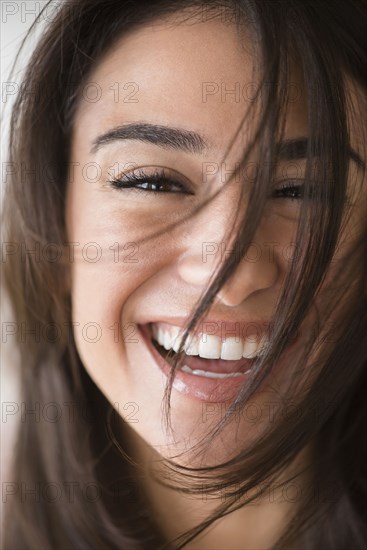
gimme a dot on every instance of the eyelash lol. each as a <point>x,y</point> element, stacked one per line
<point>289,187</point>
<point>160,178</point>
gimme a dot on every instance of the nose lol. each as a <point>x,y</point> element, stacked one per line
<point>250,275</point>
<point>202,256</point>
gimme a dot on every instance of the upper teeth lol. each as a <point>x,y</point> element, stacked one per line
<point>208,346</point>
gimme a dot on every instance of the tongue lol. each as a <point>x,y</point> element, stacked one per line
<point>217,365</point>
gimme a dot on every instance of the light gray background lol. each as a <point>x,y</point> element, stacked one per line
<point>17,16</point>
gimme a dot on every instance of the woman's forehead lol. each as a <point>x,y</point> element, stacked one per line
<point>200,76</point>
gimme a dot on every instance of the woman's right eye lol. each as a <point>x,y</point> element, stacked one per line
<point>158,182</point>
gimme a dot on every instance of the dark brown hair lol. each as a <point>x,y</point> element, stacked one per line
<point>328,39</point>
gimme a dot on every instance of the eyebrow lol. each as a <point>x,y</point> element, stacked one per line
<point>164,136</point>
<point>192,142</point>
<point>292,149</point>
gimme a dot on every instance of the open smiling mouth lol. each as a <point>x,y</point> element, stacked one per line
<point>213,369</point>
<point>206,355</point>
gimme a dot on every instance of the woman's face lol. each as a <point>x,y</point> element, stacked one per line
<point>176,94</point>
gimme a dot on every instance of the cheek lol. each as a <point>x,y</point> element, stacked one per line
<point>277,235</point>
<point>98,298</point>
<point>107,266</point>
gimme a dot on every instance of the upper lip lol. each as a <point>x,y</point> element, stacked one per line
<point>218,326</point>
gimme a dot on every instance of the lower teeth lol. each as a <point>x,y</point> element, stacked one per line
<point>209,374</point>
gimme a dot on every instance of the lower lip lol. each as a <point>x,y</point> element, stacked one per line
<point>214,390</point>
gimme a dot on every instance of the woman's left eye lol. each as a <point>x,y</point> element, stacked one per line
<point>291,189</point>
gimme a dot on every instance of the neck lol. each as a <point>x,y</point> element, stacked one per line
<point>255,525</point>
